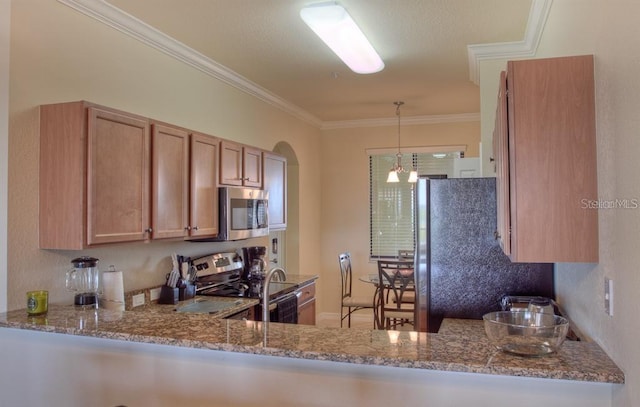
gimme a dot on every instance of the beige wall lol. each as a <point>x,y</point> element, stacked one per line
<point>611,32</point>
<point>345,193</point>
<point>58,54</point>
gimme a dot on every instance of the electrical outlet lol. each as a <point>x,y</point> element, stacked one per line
<point>154,294</point>
<point>138,300</point>
<point>608,296</point>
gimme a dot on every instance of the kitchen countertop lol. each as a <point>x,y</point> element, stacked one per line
<point>460,347</point>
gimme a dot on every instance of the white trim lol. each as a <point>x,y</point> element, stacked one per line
<point>417,150</point>
<point>128,24</point>
<point>519,49</point>
<point>112,16</point>
<point>409,121</point>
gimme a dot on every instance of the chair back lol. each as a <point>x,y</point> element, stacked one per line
<point>396,279</point>
<point>345,272</point>
<point>405,255</point>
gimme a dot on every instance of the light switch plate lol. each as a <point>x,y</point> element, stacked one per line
<point>608,296</point>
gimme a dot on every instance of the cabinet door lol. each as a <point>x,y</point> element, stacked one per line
<point>230,163</point>
<point>307,304</point>
<point>275,182</point>
<point>552,151</point>
<point>252,167</point>
<point>170,182</point>
<point>117,177</point>
<point>307,313</point>
<point>204,186</point>
<point>501,154</point>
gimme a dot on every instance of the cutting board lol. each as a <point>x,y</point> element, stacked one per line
<point>208,306</point>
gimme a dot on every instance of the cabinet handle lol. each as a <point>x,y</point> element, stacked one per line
<point>496,235</point>
<point>187,228</point>
<point>491,159</point>
<point>194,228</point>
<point>148,230</point>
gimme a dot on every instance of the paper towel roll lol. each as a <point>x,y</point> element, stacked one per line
<point>113,290</point>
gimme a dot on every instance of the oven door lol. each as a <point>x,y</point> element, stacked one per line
<point>282,309</point>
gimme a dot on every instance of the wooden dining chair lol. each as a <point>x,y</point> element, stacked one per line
<point>397,293</point>
<point>350,304</point>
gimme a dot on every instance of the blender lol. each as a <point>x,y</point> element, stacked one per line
<point>84,280</point>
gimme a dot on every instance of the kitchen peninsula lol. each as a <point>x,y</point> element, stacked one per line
<point>196,359</point>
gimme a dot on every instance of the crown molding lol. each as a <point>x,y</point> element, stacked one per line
<point>409,121</point>
<point>116,18</point>
<point>518,49</point>
<point>129,25</point>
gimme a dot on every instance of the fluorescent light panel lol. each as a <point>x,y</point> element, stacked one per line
<point>336,28</point>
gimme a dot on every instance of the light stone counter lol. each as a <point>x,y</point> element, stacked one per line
<point>454,352</point>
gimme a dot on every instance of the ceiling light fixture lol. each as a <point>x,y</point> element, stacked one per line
<point>397,166</point>
<point>336,28</point>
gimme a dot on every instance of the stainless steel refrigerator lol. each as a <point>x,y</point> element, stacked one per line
<point>461,272</point>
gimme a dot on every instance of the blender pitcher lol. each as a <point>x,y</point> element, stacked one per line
<point>84,280</point>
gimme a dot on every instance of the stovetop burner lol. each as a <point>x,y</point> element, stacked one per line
<point>238,288</point>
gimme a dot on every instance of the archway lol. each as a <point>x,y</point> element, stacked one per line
<point>291,236</point>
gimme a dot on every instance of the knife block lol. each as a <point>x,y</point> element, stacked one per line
<point>187,292</point>
<point>168,295</point>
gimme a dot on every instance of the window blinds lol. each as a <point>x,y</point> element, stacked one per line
<point>391,205</point>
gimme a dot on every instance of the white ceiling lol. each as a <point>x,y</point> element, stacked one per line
<point>265,43</point>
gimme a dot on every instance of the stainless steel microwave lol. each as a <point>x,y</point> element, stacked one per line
<point>244,213</point>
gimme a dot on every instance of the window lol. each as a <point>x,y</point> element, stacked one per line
<point>391,205</point>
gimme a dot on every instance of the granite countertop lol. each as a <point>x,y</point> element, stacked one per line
<point>459,347</point>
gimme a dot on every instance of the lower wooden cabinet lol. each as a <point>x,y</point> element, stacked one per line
<point>307,304</point>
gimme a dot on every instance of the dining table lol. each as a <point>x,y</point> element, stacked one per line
<point>377,299</point>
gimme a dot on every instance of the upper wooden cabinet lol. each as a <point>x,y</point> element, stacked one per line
<point>94,176</point>
<point>240,165</point>
<point>170,181</point>
<point>275,182</point>
<point>204,186</point>
<point>545,154</point>
<point>184,183</point>
<point>106,178</point>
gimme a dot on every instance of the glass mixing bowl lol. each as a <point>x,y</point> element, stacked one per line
<point>526,333</point>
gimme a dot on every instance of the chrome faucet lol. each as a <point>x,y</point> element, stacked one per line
<point>265,290</point>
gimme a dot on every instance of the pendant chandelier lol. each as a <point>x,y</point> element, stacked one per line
<point>397,166</point>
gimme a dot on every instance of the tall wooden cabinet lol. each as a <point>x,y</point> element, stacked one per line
<point>275,182</point>
<point>545,151</point>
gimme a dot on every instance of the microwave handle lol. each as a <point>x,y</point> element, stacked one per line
<point>262,208</point>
